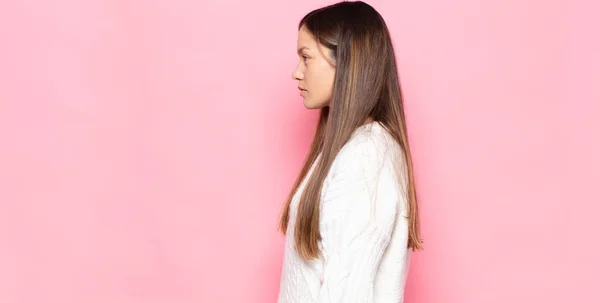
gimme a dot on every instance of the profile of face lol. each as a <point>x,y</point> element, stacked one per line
<point>315,72</point>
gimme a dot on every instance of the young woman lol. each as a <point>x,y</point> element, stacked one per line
<point>351,219</point>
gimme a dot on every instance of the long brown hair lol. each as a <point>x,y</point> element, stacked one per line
<point>366,86</point>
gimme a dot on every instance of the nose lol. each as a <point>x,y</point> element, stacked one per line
<point>297,74</point>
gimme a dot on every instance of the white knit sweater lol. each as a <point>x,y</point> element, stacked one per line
<point>363,226</point>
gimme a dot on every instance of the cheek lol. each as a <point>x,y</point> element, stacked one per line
<point>319,79</point>
<point>326,80</point>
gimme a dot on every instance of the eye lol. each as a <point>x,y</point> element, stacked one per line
<point>305,57</point>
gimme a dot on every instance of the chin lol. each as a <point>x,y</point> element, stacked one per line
<point>313,105</point>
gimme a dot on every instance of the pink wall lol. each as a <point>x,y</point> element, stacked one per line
<point>147,147</point>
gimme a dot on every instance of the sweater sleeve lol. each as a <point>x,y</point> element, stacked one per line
<point>359,208</point>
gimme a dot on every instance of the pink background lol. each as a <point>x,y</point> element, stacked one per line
<point>147,148</point>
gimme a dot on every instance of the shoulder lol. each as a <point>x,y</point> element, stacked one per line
<point>364,173</point>
<point>370,147</point>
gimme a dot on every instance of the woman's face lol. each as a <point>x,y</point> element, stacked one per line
<point>315,72</point>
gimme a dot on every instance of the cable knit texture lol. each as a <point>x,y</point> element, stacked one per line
<point>363,224</point>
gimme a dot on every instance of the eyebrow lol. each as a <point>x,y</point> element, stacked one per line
<point>302,48</point>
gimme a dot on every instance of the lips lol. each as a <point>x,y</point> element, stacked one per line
<point>302,91</point>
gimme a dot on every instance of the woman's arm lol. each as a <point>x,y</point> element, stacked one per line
<point>359,209</point>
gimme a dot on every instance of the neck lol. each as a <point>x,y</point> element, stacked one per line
<point>369,120</point>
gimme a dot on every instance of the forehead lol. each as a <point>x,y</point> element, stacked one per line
<point>305,39</point>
